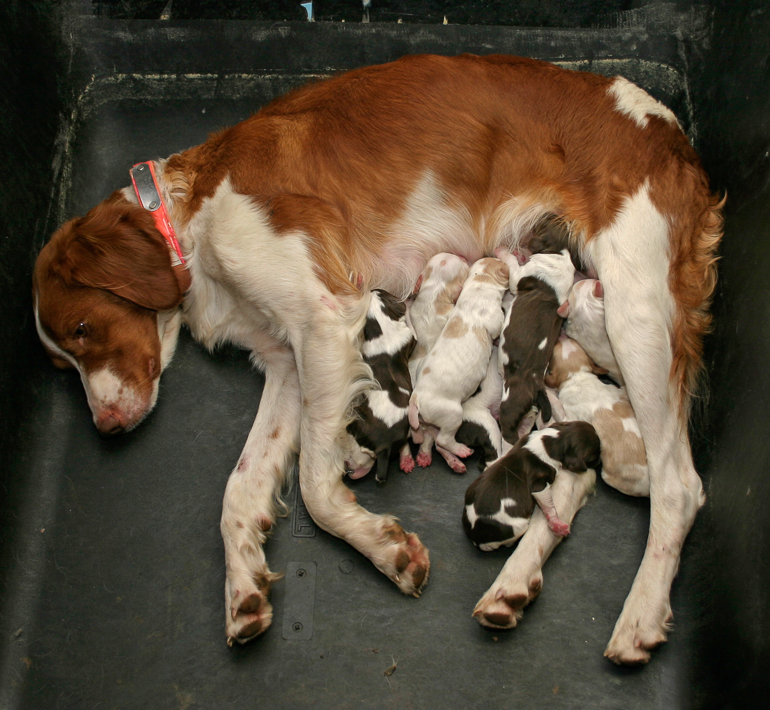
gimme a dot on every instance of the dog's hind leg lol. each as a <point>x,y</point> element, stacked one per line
<point>249,506</point>
<point>633,262</point>
<point>331,375</point>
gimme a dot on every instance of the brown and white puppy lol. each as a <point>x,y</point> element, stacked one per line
<point>499,503</point>
<point>587,398</point>
<point>585,324</point>
<point>531,328</point>
<point>458,361</point>
<point>438,288</point>
<point>381,419</point>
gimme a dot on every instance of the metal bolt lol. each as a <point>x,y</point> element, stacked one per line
<point>301,573</point>
<point>153,205</point>
<point>141,167</point>
<point>296,626</point>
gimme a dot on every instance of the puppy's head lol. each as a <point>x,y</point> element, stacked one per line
<point>568,357</point>
<point>576,446</point>
<point>585,303</point>
<point>490,270</point>
<point>444,276</point>
<point>106,303</point>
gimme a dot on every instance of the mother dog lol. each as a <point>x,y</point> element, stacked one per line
<point>359,180</point>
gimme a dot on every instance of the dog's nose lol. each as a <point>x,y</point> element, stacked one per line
<point>108,424</point>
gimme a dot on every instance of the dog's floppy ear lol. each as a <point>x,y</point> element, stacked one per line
<point>582,448</point>
<point>563,310</point>
<point>116,247</point>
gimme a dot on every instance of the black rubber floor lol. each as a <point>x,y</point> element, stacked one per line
<point>124,606</point>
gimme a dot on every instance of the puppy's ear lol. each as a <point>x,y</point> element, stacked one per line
<point>598,290</point>
<point>116,247</point>
<point>581,447</point>
<point>563,309</point>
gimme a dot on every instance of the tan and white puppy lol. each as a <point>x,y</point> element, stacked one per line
<point>458,362</point>
<point>585,397</point>
<point>438,288</point>
<point>585,324</point>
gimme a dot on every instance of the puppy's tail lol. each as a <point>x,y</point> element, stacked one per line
<point>414,412</point>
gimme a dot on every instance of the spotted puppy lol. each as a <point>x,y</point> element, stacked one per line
<point>585,324</point>
<point>587,398</point>
<point>531,329</point>
<point>437,289</point>
<point>499,503</point>
<point>381,419</point>
<point>458,362</point>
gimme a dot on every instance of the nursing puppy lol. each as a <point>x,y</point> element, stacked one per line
<point>458,362</point>
<point>499,503</point>
<point>438,288</point>
<point>585,397</point>
<point>381,419</point>
<point>480,429</point>
<point>551,236</point>
<point>585,324</point>
<point>531,328</point>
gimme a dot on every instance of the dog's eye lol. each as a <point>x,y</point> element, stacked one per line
<point>81,330</point>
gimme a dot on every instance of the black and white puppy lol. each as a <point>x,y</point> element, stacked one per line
<point>381,419</point>
<point>531,328</point>
<point>499,503</point>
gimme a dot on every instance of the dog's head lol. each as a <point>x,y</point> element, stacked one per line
<point>576,446</point>
<point>106,303</point>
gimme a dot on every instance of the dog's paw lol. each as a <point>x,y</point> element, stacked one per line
<point>405,560</point>
<point>503,606</point>
<point>249,612</point>
<point>635,636</point>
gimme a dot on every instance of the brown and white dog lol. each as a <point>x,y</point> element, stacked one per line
<point>281,216</point>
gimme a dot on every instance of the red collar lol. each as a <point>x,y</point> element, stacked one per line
<point>148,193</point>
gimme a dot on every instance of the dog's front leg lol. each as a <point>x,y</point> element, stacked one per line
<point>248,511</point>
<point>521,579</point>
<point>331,374</point>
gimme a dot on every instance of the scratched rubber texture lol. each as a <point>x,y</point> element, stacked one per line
<point>114,591</point>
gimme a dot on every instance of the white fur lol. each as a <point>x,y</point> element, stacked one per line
<point>585,324</point>
<point>556,270</point>
<point>631,257</point>
<point>637,104</point>
<point>483,408</point>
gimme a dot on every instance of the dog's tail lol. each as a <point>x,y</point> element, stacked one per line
<point>414,412</point>
<point>694,239</point>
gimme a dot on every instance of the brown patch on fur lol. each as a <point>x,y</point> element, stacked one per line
<point>455,328</point>
<point>619,447</point>
<point>442,308</point>
<point>425,371</point>
<point>481,334</point>
<point>275,433</point>
<point>420,351</point>
<point>264,524</point>
<point>395,533</point>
